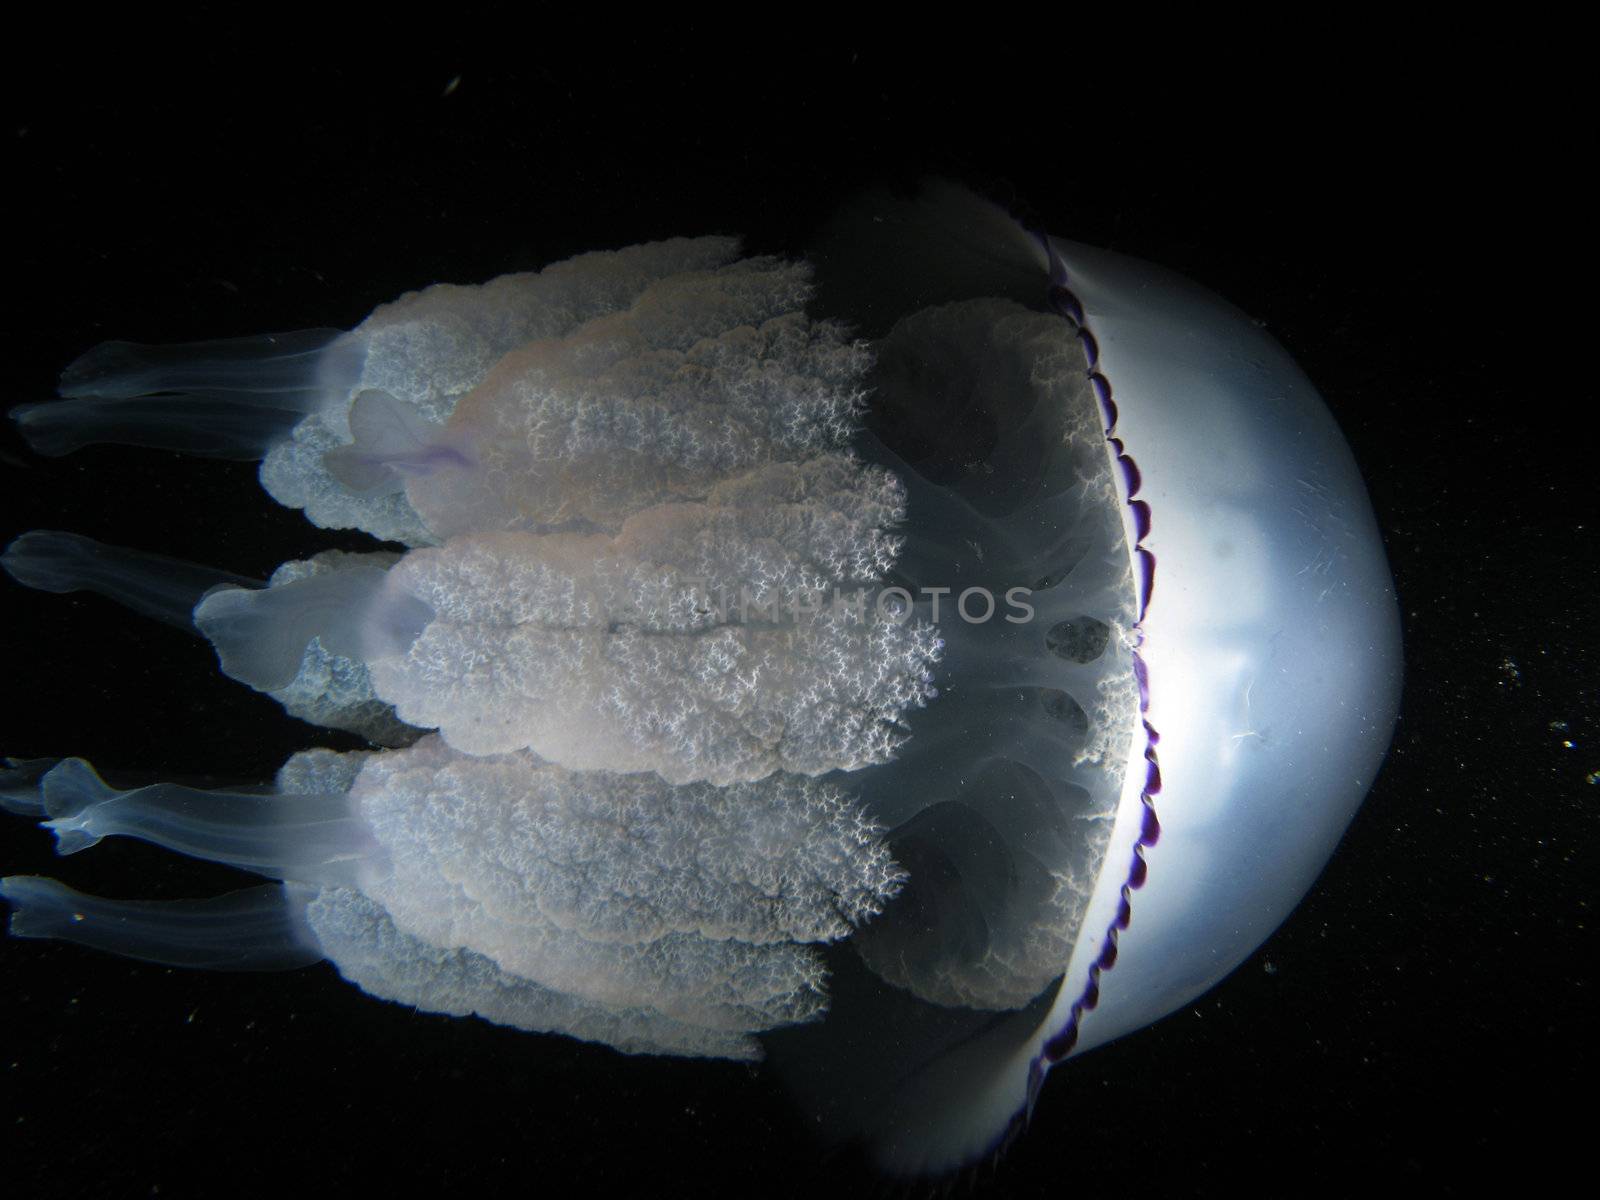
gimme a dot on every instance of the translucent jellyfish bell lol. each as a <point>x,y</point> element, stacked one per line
<point>918,663</point>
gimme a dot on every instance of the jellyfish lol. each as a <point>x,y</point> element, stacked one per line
<point>917,662</point>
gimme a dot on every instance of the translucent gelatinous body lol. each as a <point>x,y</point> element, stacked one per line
<point>886,659</point>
